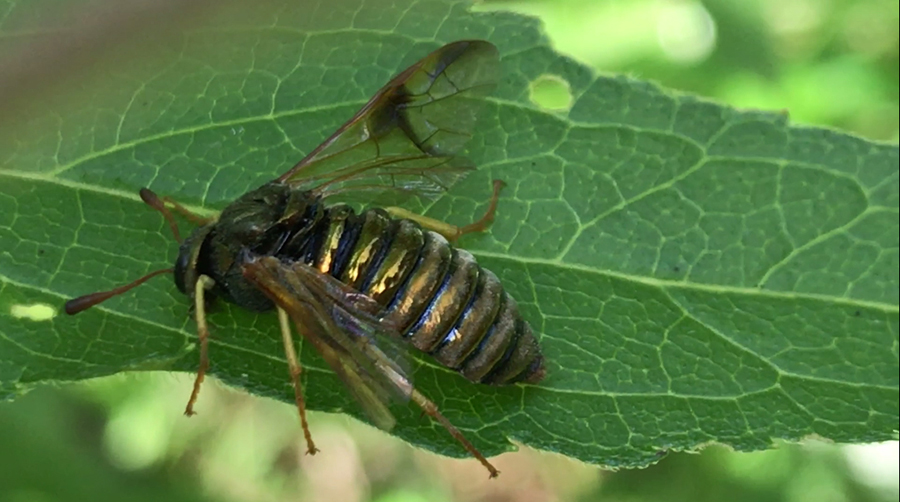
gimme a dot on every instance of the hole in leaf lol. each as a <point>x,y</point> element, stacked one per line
<point>551,92</point>
<point>34,312</point>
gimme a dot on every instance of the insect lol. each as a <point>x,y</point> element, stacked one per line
<point>361,286</point>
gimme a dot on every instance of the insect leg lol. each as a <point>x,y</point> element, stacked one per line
<point>187,213</point>
<point>431,409</point>
<point>295,369</point>
<point>452,232</point>
<point>154,201</point>
<point>203,284</point>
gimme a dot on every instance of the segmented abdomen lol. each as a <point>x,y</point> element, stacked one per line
<point>446,304</point>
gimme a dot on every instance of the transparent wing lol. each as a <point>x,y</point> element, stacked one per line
<point>406,138</point>
<point>343,327</point>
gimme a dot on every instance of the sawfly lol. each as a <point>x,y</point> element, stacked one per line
<point>358,285</point>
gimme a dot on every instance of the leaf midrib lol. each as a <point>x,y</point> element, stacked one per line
<point>648,281</point>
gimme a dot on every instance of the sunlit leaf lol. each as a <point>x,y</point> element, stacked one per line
<point>696,273</point>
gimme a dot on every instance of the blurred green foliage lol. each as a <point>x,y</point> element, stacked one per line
<point>52,451</point>
<point>116,439</point>
<point>831,63</point>
<point>828,63</point>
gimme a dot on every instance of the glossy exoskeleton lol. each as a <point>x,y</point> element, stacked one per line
<point>354,283</point>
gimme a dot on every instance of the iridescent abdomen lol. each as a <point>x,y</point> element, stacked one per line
<point>445,303</point>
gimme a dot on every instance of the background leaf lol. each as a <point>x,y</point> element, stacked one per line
<point>697,273</point>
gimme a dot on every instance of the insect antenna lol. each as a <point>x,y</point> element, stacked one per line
<point>151,199</point>
<point>85,302</point>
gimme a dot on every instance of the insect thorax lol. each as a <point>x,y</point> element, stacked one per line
<point>261,222</point>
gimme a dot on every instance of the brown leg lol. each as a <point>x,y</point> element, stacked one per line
<point>151,199</point>
<point>453,232</point>
<point>203,284</point>
<point>431,410</point>
<point>295,369</point>
<point>187,213</point>
<point>488,218</point>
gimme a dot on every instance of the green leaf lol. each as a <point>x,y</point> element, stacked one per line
<point>697,274</point>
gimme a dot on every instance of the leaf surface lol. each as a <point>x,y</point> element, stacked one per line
<point>696,273</point>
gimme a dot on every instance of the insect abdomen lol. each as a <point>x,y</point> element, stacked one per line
<point>445,303</point>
